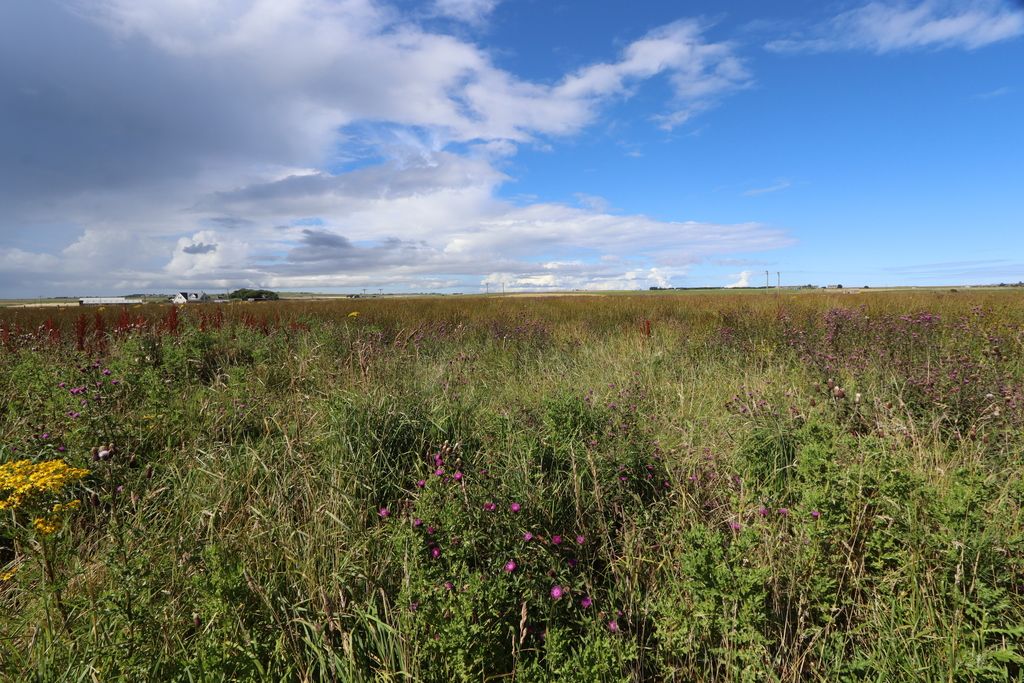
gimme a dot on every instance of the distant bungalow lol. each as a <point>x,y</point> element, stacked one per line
<point>190,298</point>
<point>106,301</point>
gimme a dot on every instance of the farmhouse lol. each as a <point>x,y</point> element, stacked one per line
<point>190,298</point>
<point>105,301</point>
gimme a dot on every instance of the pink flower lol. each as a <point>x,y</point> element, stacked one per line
<point>435,552</point>
<point>613,626</point>
<point>457,476</point>
<point>527,537</point>
<point>384,512</point>
<point>449,586</point>
<point>580,540</point>
<point>515,507</point>
<point>417,522</point>
<point>735,526</point>
<point>784,512</point>
<point>490,507</point>
<point>439,472</point>
<point>421,483</point>
<point>586,602</point>
<point>557,592</point>
<point>556,540</point>
<point>763,511</point>
<point>815,514</point>
<point>510,566</point>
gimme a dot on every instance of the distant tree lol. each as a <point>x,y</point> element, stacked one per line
<point>254,294</point>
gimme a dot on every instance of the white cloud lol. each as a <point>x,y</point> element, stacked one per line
<point>469,11</point>
<point>776,187</point>
<point>743,280</point>
<point>882,28</point>
<point>185,140</point>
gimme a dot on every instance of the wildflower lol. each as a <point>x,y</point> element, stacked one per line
<point>45,525</point>
<point>735,526</point>
<point>435,552</point>
<point>23,480</point>
<point>449,586</point>
<point>763,511</point>
<point>417,522</point>
<point>384,512</point>
<point>439,472</point>
<point>457,476</point>
<point>784,512</point>
<point>556,540</point>
<point>586,602</point>
<point>354,314</point>
<point>515,507</point>
<point>572,562</point>
<point>490,507</point>
<point>557,592</point>
<point>613,626</point>
<point>421,483</point>
<point>44,436</point>
<point>510,566</point>
<point>528,537</point>
<point>106,372</point>
<point>8,575</point>
<point>580,539</point>
<point>815,514</point>
<point>431,530</point>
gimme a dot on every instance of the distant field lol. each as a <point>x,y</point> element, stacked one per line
<point>688,486</point>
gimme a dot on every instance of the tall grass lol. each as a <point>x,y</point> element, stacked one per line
<point>736,487</point>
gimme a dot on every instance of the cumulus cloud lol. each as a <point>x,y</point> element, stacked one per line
<point>742,280</point>
<point>880,27</point>
<point>185,142</point>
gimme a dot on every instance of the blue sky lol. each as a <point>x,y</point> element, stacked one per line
<point>455,145</point>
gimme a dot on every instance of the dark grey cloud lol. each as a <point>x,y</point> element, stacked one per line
<point>199,248</point>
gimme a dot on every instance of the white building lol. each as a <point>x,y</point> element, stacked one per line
<point>105,301</point>
<point>189,298</point>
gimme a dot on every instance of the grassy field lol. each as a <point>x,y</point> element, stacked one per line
<point>703,487</point>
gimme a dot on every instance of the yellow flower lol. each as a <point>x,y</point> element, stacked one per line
<point>354,314</point>
<point>45,525</point>
<point>9,574</point>
<point>24,479</point>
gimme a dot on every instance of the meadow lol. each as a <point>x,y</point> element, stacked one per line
<point>795,486</point>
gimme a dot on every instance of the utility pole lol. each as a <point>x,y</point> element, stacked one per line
<point>364,291</point>
<point>487,286</point>
<point>766,285</point>
<point>502,286</point>
<point>778,281</point>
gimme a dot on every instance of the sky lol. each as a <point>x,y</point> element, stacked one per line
<point>524,145</point>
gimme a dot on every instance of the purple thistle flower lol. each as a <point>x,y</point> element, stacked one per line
<point>435,552</point>
<point>572,562</point>
<point>106,371</point>
<point>457,476</point>
<point>557,592</point>
<point>515,507</point>
<point>417,522</point>
<point>120,489</point>
<point>581,539</point>
<point>510,566</point>
<point>528,537</point>
<point>421,483</point>
<point>45,436</point>
<point>439,472</point>
<point>62,385</point>
<point>784,512</point>
<point>556,540</point>
<point>735,526</point>
<point>763,511</point>
<point>431,530</point>
<point>613,626</point>
<point>384,512</point>
<point>490,507</point>
<point>449,586</point>
<point>586,602</point>
<point>61,449</point>
<point>815,514</point>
